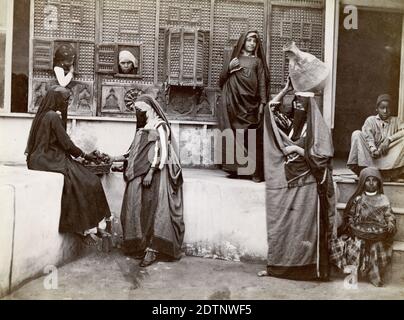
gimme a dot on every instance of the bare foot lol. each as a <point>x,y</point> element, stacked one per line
<point>262,273</point>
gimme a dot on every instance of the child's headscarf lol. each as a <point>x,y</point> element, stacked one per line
<point>365,173</point>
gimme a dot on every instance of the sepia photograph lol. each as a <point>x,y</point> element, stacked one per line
<point>220,151</point>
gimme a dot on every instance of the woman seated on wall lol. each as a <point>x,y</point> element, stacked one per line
<point>380,144</point>
<point>49,148</point>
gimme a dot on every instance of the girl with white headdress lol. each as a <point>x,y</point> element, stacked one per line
<point>152,209</point>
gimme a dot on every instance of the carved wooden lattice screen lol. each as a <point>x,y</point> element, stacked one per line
<point>185,57</point>
<point>57,22</point>
<point>300,21</point>
<point>125,25</point>
<point>188,14</point>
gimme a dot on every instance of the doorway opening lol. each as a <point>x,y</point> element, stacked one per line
<point>368,65</point>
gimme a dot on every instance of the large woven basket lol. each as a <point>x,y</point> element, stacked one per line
<point>99,168</point>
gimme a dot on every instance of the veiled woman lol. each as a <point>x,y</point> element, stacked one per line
<point>49,148</point>
<point>152,209</point>
<point>300,204</point>
<point>244,83</point>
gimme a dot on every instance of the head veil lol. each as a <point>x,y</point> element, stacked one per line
<point>259,52</point>
<point>365,173</point>
<point>55,99</point>
<point>174,165</point>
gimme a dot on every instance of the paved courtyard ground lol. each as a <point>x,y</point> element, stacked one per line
<point>115,276</point>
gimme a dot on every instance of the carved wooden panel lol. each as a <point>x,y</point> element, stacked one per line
<point>106,58</point>
<point>189,14</point>
<point>185,57</point>
<point>81,98</point>
<point>118,99</point>
<point>42,54</point>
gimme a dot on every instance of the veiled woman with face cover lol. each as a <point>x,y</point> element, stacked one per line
<point>244,83</point>
<point>300,204</point>
<point>152,209</point>
<point>49,148</point>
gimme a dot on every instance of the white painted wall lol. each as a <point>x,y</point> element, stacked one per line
<point>109,135</point>
<point>30,213</point>
<point>113,137</point>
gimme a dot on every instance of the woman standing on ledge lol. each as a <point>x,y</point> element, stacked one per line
<point>49,148</point>
<point>244,82</point>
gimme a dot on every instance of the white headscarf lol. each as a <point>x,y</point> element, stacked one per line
<point>125,56</point>
<point>153,119</point>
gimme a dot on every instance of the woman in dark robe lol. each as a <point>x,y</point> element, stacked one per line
<point>152,208</point>
<point>244,83</point>
<point>300,204</point>
<point>49,148</point>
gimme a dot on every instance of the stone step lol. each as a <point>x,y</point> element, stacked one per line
<point>398,211</point>
<point>393,190</point>
<point>398,253</point>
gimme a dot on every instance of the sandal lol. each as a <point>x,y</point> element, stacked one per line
<point>148,259</point>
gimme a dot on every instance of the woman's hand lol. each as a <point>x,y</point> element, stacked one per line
<point>90,156</point>
<point>390,228</point>
<point>375,153</point>
<point>294,149</point>
<point>383,149</point>
<point>235,63</point>
<point>288,86</point>
<point>71,69</point>
<point>147,180</point>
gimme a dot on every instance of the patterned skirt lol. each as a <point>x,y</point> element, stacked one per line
<point>370,258</point>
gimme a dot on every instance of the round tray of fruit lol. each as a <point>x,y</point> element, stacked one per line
<point>101,165</point>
